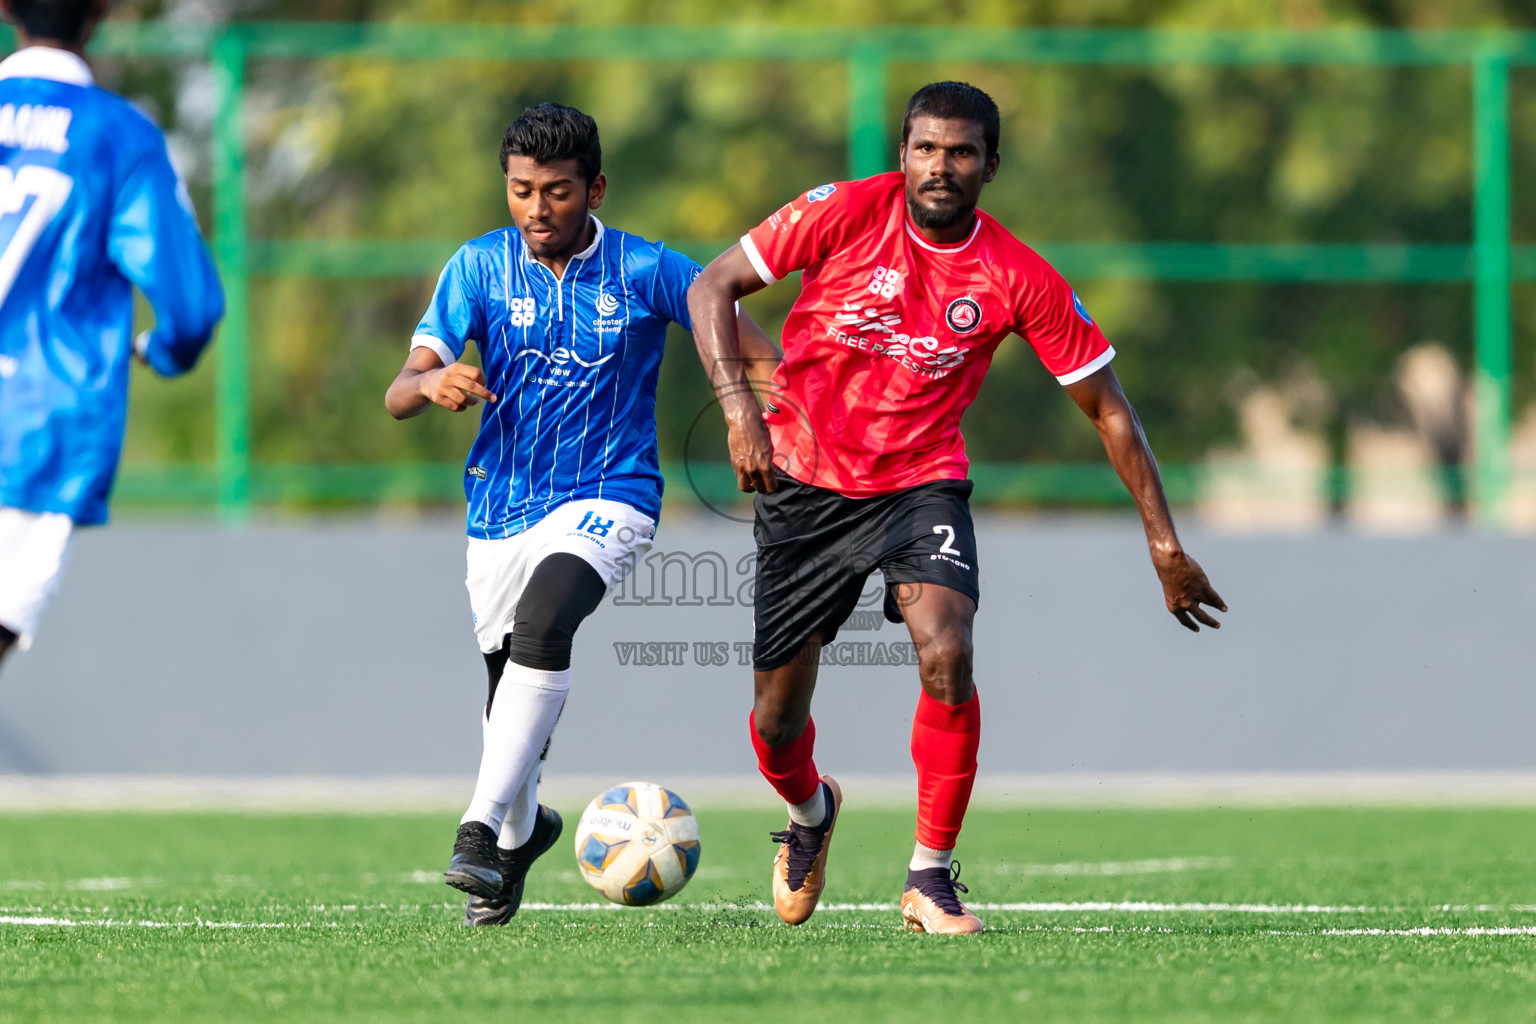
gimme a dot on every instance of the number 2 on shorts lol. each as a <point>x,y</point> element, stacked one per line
<point>948,547</point>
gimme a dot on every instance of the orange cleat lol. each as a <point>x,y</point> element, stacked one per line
<point>930,903</point>
<point>800,866</point>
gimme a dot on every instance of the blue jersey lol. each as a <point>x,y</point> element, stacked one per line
<point>89,207</point>
<point>573,365</point>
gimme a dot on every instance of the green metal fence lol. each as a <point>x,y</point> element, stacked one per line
<point>1490,263</point>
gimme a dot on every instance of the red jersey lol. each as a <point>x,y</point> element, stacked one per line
<point>887,344</point>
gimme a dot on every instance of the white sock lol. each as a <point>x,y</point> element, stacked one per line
<point>523,716</point>
<point>923,858</point>
<point>813,812</point>
<point>517,826</point>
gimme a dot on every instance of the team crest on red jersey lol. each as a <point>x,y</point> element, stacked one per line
<point>963,315</point>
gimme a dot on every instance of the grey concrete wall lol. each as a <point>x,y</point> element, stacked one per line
<point>345,648</point>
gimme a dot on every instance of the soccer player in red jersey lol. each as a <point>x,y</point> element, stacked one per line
<point>857,460</point>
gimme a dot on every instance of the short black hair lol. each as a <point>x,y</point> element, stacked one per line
<point>551,132</point>
<point>63,20</point>
<point>954,101</point>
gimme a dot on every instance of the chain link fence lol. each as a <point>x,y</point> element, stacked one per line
<point>1313,250</point>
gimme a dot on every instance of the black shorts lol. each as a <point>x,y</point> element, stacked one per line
<point>816,548</point>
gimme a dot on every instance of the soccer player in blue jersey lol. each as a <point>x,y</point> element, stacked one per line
<point>89,208</point>
<point>563,481</point>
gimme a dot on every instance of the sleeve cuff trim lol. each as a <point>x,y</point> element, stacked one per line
<point>1089,369</point>
<point>758,263</point>
<point>436,345</point>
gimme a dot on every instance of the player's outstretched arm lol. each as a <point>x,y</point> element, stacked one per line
<point>424,381</point>
<point>1185,587</point>
<point>712,308</point>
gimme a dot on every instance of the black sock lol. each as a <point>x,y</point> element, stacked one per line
<point>924,874</point>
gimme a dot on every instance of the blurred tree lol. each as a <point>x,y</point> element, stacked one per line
<point>696,153</point>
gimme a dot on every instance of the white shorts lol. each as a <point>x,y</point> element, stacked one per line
<point>34,546</point>
<point>610,535</point>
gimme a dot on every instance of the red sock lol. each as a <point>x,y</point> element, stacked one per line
<point>944,742</point>
<point>788,767</point>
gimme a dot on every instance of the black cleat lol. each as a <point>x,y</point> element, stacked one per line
<point>478,910</point>
<point>475,867</point>
<point>514,872</point>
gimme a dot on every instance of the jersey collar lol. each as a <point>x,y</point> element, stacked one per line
<point>597,240</point>
<point>47,62</point>
<point>952,247</point>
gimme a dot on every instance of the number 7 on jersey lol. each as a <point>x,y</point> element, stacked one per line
<point>48,189</point>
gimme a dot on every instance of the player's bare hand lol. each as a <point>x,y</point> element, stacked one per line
<point>1186,589</point>
<point>455,387</point>
<point>751,450</point>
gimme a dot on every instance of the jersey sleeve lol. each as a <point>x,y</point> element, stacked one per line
<point>1056,324</point>
<point>153,239</point>
<point>669,286</point>
<point>812,227</point>
<point>456,314</point>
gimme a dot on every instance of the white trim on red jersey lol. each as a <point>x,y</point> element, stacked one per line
<point>758,263</point>
<point>917,237</point>
<point>1088,369</point>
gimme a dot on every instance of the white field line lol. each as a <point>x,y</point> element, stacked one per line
<point>1423,932</point>
<point>1418,931</point>
<point>67,922</point>
<point>1126,907</point>
<point>1105,869</point>
<point>1022,907</point>
<point>1034,907</point>
<point>1138,907</point>
<point>1473,931</point>
<point>1171,865</point>
<point>1101,869</point>
<point>79,884</point>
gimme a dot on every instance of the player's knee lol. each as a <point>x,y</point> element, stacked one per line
<point>776,723</point>
<point>542,638</point>
<point>547,653</point>
<point>778,731</point>
<point>944,662</point>
<point>563,590</point>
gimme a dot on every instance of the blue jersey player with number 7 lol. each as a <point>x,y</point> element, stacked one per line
<point>89,208</point>
<point>563,481</point>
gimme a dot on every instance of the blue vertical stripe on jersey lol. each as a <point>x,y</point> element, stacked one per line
<point>550,367</point>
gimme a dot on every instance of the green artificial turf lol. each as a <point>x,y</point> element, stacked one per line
<point>308,917</point>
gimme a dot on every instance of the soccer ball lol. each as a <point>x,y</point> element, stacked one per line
<point>637,844</point>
